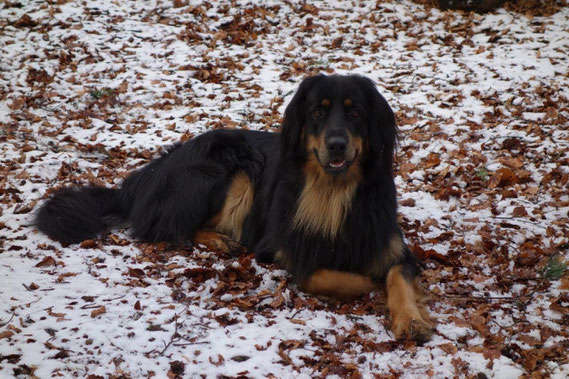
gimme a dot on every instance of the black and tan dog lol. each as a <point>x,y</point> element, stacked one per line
<point>318,198</point>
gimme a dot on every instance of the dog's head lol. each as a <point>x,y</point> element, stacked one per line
<point>340,121</point>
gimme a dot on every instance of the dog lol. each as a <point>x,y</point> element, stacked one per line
<point>318,198</point>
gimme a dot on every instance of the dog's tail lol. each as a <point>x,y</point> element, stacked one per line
<point>73,215</point>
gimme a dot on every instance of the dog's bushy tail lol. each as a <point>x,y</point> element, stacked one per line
<point>73,215</point>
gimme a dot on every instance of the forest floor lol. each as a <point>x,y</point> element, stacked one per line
<point>91,90</point>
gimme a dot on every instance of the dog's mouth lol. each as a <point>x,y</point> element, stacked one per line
<point>335,166</point>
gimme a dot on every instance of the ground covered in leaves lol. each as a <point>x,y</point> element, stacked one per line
<point>90,90</point>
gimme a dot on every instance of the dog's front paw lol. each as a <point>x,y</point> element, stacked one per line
<point>407,327</point>
<point>218,243</point>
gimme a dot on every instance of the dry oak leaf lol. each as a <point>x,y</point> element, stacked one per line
<point>176,369</point>
<point>512,162</point>
<point>219,362</point>
<point>55,314</point>
<point>47,261</point>
<point>13,328</point>
<point>407,167</point>
<point>503,177</point>
<point>407,202</point>
<point>62,277</point>
<point>136,272</point>
<point>433,160</point>
<point>423,254</point>
<point>530,340</point>
<point>98,311</point>
<point>478,323</point>
<point>17,103</point>
<point>492,354</point>
<point>560,304</point>
<point>6,334</point>
<point>278,300</point>
<point>448,348</point>
<point>519,212</point>
<point>88,244</point>
<point>512,144</point>
<point>25,21</point>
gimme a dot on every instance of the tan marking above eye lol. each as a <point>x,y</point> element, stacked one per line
<point>348,102</point>
<point>325,102</point>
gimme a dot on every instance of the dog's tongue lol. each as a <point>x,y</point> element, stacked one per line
<point>337,164</point>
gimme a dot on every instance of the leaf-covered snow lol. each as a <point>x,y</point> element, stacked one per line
<point>90,90</point>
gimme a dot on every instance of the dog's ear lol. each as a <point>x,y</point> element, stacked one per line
<point>295,116</point>
<point>382,128</point>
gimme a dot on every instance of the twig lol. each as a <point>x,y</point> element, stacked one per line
<point>192,343</point>
<point>7,322</point>
<point>501,326</point>
<point>479,298</point>
<point>294,314</point>
<point>116,298</point>
<point>524,279</point>
<point>482,298</point>
<point>175,336</point>
<point>520,220</point>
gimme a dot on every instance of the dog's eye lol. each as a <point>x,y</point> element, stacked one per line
<point>317,113</point>
<point>354,113</point>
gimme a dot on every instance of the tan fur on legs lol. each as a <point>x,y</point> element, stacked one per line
<point>338,284</point>
<point>422,300</point>
<point>407,321</point>
<point>236,207</point>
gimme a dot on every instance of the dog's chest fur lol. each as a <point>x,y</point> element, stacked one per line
<point>323,203</point>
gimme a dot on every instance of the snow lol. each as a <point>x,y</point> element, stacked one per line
<point>456,95</point>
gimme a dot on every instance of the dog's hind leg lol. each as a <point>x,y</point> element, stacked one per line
<point>337,284</point>
<point>177,204</point>
<point>236,206</point>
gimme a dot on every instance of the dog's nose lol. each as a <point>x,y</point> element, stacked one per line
<point>336,144</point>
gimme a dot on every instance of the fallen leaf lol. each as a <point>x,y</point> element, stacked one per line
<point>519,212</point>
<point>55,314</point>
<point>136,272</point>
<point>433,160</point>
<point>6,334</point>
<point>47,261</point>
<point>176,369</point>
<point>491,354</point>
<point>407,202</point>
<point>516,162</point>
<point>297,321</point>
<point>62,277</point>
<point>88,244</point>
<point>278,300</point>
<point>25,22</point>
<point>503,177</point>
<point>98,311</point>
<point>219,361</point>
